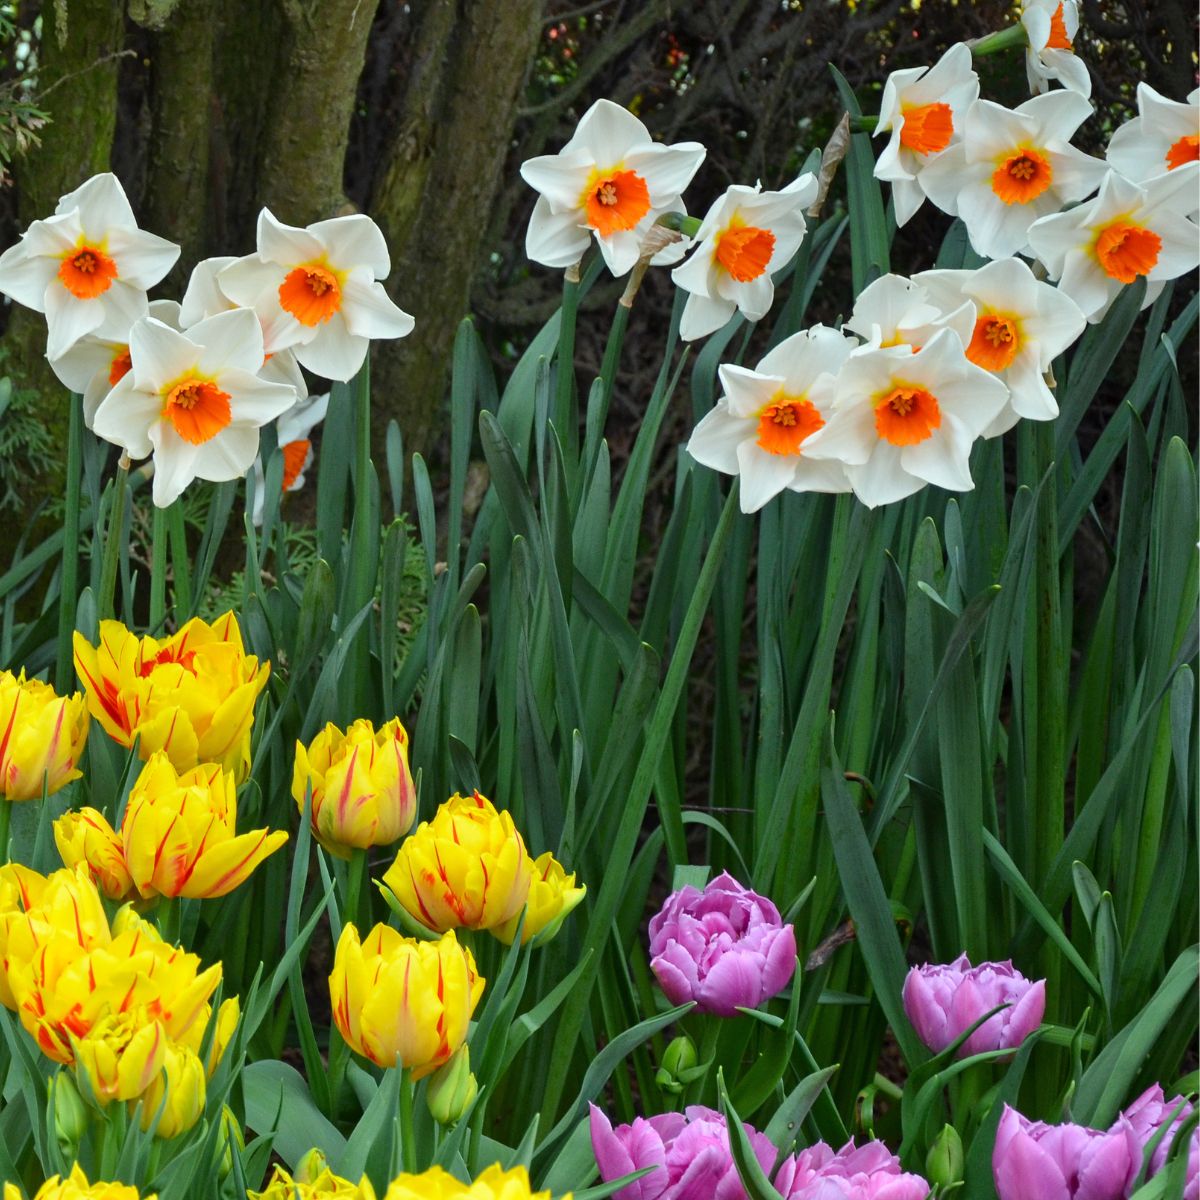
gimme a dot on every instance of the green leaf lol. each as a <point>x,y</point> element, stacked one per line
<point>749,1169</point>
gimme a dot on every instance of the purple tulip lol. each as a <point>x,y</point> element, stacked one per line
<point>868,1172</point>
<point>690,1150</point>
<point>1147,1115</point>
<point>1034,1161</point>
<point>723,947</point>
<point>943,1002</point>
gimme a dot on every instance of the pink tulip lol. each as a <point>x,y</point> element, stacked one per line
<point>943,1002</point>
<point>724,947</point>
<point>1147,1114</point>
<point>1034,1161</point>
<point>868,1172</point>
<point>690,1151</point>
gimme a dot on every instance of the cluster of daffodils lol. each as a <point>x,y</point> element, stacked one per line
<point>192,383</point>
<point>896,398</point>
<point>124,1009</point>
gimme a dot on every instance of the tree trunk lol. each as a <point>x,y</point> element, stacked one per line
<point>436,193</point>
<point>177,185</point>
<point>309,118</point>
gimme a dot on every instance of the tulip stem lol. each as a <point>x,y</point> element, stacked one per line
<point>112,540</point>
<point>168,918</point>
<point>356,874</point>
<point>708,1050</point>
<point>158,571</point>
<point>5,817</point>
<point>408,1145</point>
<point>68,590</point>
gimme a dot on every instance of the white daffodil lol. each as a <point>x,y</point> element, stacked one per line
<point>204,298</point>
<point>611,180</point>
<point>291,432</point>
<point>1163,137</point>
<point>761,425</point>
<point>922,108</point>
<point>1012,167</point>
<point>87,267</point>
<point>1127,231</point>
<point>93,367</point>
<point>746,235</point>
<point>194,400</point>
<point>1051,27</point>
<point>1021,325</point>
<point>901,419</point>
<point>895,311</point>
<point>316,291</point>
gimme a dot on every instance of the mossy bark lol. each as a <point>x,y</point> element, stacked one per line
<point>436,192</point>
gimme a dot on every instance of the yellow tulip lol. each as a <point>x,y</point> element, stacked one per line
<point>120,1056</point>
<point>178,832</point>
<point>401,1002</point>
<point>76,1187</point>
<point>175,1097</point>
<point>362,789</point>
<point>494,1184</point>
<point>552,895</point>
<point>467,867</point>
<point>313,1180</point>
<point>42,736</point>
<point>85,838</point>
<point>191,695</point>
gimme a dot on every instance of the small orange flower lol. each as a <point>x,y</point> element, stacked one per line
<point>907,416</point>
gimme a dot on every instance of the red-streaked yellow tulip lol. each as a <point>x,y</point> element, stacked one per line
<point>552,895</point>
<point>494,1184</point>
<point>191,695</point>
<point>362,789</point>
<point>468,867</point>
<point>178,832</point>
<point>403,1002</point>
<point>86,839</point>
<point>175,1097</point>
<point>76,1187</point>
<point>120,1056</point>
<point>42,736</point>
<point>20,889</point>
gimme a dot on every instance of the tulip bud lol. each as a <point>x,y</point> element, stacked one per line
<point>70,1112</point>
<point>552,896</point>
<point>311,1167</point>
<point>678,1066</point>
<point>452,1088</point>
<point>232,1140</point>
<point>178,1091</point>
<point>944,1162</point>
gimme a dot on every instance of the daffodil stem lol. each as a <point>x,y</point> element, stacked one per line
<point>5,816</point>
<point>564,389</point>
<point>365,547</point>
<point>179,561</point>
<point>612,359</point>
<point>68,591</point>
<point>864,123</point>
<point>1003,39</point>
<point>158,570</point>
<point>112,540</point>
<point>408,1145</point>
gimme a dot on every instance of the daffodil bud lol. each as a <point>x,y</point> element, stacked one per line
<point>678,1066</point>
<point>70,1112</point>
<point>944,1162</point>
<point>452,1088</point>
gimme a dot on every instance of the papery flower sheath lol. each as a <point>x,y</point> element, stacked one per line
<point>1051,27</point>
<point>922,109</point>
<point>901,420</point>
<point>87,267</point>
<point>1127,232</point>
<point>1012,167</point>
<point>42,737</point>
<point>191,695</point>
<point>1020,326</point>
<point>724,947</point>
<point>317,291</point>
<point>943,1002</point>
<point>611,181</point>
<point>761,424</point>
<point>194,400</point>
<point>746,235</point>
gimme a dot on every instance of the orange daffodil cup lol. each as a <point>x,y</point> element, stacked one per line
<point>746,234</point>
<point>922,109</point>
<point>42,736</point>
<point>1051,27</point>
<point>177,837</point>
<point>361,786</point>
<point>87,267</point>
<point>190,695</point>
<point>317,292</point>
<point>611,181</point>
